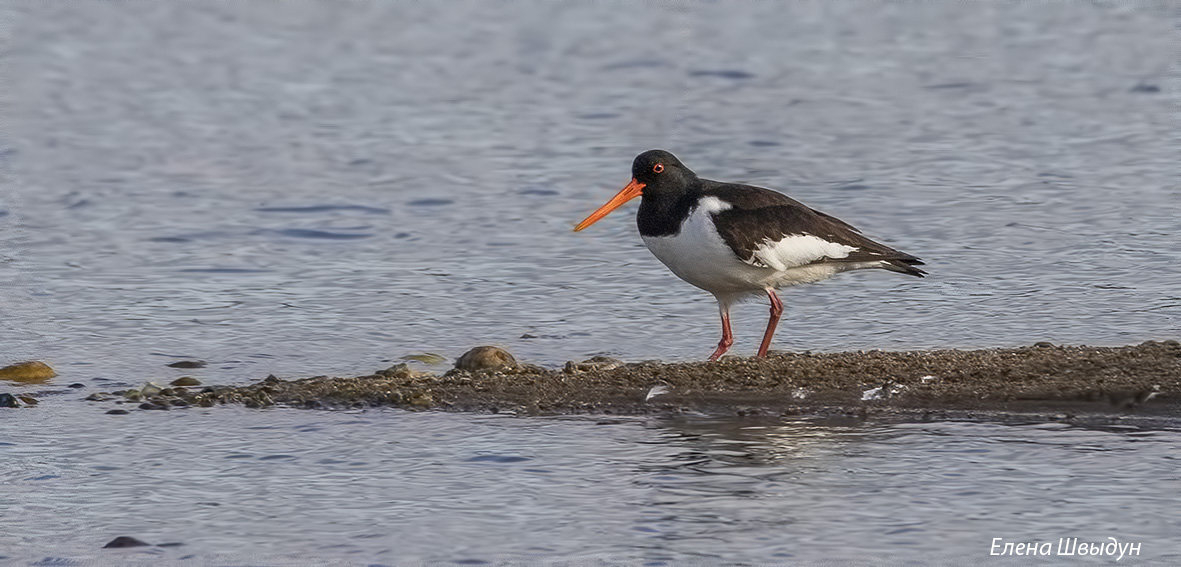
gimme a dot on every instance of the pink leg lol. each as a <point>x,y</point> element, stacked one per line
<point>776,311</point>
<point>727,337</point>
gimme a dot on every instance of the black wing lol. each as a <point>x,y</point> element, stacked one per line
<point>758,216</point>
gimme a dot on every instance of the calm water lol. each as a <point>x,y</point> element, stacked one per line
<point>395,488</point>
<point>312,189</point>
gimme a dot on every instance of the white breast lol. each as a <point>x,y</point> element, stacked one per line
<point>698,255</point>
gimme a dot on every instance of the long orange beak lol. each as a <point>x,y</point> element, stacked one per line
<point>624,195</point>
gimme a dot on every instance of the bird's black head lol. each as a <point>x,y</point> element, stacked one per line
<point>655,173</point>
<point>660,170</point>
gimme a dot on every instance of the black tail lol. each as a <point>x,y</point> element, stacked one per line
<point>905,265</point>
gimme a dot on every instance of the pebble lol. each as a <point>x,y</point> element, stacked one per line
<point>76,385</point>
<point>883,392</point>
<point>33,371</point>
<point>185,381</point>
<point>485,358</point>
<point>117,412</point>
<point>9,401</point>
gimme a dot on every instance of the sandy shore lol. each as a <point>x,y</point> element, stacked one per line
<point>1041,382</point>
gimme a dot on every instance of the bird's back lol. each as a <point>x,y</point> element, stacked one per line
<point>770,229</point>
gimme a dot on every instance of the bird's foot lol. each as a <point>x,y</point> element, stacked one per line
<point>722,348</point>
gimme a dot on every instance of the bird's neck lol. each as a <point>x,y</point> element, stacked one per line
<point>662,212</point>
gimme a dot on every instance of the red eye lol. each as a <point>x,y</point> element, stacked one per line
<point>658,168</point>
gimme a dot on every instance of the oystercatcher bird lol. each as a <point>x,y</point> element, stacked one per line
<point>735,240</point>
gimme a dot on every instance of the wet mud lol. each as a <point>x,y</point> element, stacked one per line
<point>1040,382</point>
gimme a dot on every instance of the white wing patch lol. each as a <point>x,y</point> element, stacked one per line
<point>713,205</point>
<point>798,250</point>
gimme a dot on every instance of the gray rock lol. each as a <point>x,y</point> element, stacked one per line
<point>188,364</point>
<point>125,541</point>
<point>396,371</point>
<point>593,363</point>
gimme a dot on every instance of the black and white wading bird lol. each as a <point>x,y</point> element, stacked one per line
<point>736,240</point>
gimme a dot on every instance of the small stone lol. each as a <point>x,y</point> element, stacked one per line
<point>76,385</point>
<point>125,541</point>
<point>30,400</point>
<point>117,412</point>
<point>150,389</point>
<point>426,358</point>
<point>186,381</point>
<point>9,401</point>
<point>1043,344</point>
<point>485,358</point>
<point>32,372</point>
<point>188,364</point>
<point>151,406</point>
<point>98,397</point>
